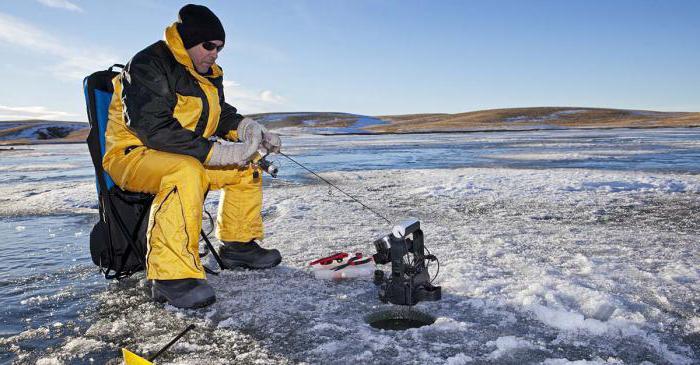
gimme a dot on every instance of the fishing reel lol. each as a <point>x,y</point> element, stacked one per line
<point>409,282</point>
<point>260,161</point>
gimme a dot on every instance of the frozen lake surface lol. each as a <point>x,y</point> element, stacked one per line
<point>555,247</point>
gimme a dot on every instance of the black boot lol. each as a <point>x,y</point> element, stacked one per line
<point>183,293</point>
<point>248,255</point>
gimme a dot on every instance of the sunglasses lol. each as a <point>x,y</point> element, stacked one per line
<point>210,46</point>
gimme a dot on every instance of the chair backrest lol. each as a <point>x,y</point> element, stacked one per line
<point>118,239</point>
<point>98,95</point>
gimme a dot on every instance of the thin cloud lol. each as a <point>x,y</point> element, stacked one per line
<point>249,102</point>
<point>32,112</point>
<point>269,97</point>
<point>68,63</point>
<point>61,4</point>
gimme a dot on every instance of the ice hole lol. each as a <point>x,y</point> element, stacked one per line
<point>399,319</point>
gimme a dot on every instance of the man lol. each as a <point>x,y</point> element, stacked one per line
<point>167,104</point>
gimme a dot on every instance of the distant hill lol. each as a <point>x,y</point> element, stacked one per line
<point>319,123</point>
<point>535,118</point>
<point>42,131</point>
<point>491,120</point>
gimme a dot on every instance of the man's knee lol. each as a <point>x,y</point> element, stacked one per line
<point>190,170</point>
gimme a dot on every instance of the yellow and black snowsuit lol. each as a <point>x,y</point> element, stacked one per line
<point>160,118</point>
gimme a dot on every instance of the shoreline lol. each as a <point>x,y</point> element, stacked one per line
<point>48,142</point>
<point>503,130</point>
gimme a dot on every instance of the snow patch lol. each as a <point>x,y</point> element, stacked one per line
<point>459,359</point>
<point>49,361</point>
<point>506,345</point>
<point>598,361</point>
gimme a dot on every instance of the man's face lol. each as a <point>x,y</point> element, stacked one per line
<point>204,58</point>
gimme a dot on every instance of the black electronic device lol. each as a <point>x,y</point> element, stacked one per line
<point>409,281</point>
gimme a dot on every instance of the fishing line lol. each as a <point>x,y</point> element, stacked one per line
<point>337,188</point>
<point>397,289</point>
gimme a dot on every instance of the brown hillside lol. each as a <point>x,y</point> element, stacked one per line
<point>534,118</point>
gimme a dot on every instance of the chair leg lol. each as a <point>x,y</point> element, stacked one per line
<point>212,250</point>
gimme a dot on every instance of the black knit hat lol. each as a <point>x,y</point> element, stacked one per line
<point>197,24</point>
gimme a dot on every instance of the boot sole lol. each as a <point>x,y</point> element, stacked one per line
<point>233,264</point>
<point>162,299</point>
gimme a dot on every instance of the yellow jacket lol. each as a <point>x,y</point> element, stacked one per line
<point>160,101</point>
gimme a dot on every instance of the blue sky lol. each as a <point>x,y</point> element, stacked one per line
<point>373,57</point>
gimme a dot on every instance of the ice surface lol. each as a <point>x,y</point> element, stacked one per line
<point>507,345</point>
<point>529,274</point>
<point>43,198</point>
<point>537,265</point>
<point>597,361</point>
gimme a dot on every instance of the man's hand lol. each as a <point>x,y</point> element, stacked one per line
<point>250,131</point>
<point>271,141</point>
<point>237,154</point>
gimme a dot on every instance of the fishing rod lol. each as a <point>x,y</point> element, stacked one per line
<point>172,342</point>
<point>131,358</point>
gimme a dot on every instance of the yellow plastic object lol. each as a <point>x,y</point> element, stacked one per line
<point>131,358</point>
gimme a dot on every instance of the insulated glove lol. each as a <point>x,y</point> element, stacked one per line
<point>231,154</point>
<point>250,131</point>
<point>271,141</point>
